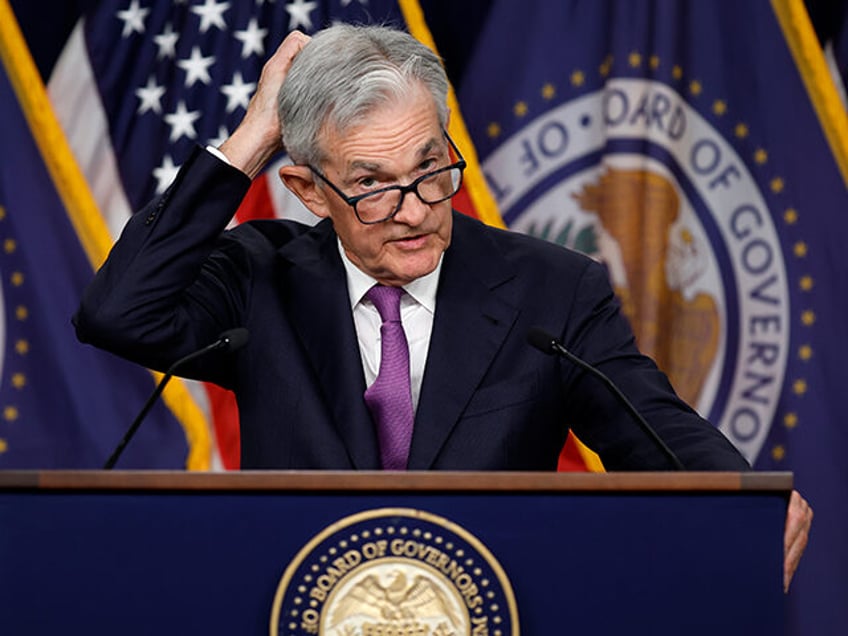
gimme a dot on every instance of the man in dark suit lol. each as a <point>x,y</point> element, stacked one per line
<point>323,382</point>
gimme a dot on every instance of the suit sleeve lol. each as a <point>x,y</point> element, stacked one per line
<point>162,293</point>
<point>601,335</point>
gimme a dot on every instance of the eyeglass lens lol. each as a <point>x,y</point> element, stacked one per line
<point>432,189</point>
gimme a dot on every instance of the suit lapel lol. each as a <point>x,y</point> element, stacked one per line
<point>471,323</point>
<point>319,306</point>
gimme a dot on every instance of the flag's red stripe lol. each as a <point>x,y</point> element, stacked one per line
<point>225,419</point>
<point>570,459</point>
<point>462,202</point>
<point>257,202</point>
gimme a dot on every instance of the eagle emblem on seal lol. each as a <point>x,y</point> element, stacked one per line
<point>396,599</point>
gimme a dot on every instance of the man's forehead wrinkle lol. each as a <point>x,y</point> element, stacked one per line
<point>425,149</point>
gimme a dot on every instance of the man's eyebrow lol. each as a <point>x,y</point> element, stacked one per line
<point>364,165</point>
<point>428,147</point>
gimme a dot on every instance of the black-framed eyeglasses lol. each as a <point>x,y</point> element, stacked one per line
<point>381,205</point>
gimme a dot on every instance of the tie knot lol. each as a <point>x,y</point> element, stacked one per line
<point>387,301</point>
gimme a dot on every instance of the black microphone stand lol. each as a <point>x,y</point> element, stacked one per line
<point>546,343</point>
<point>228,341</point>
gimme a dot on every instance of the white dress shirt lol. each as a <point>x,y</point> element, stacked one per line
<point>417,308</point>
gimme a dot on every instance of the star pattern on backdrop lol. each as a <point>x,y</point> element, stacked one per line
<point>175,74</point>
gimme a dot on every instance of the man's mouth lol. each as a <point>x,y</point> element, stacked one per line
<point>411,242</point>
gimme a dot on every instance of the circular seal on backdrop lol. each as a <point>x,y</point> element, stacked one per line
<point>635,176</point>
<point>394,572</point>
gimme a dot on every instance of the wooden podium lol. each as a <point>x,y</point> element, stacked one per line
<point>266,552</point>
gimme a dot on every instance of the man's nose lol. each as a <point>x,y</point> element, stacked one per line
<point>412,210</point>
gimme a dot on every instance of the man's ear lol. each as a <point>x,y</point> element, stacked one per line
<point>302,183</point>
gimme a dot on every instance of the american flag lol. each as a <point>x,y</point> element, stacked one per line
<point>141,82</point>
<point>174,74</point>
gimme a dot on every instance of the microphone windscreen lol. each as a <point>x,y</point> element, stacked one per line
<point>235,339</point>
<point>541,339</point>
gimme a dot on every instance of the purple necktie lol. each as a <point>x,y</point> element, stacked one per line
<point>390,399</point>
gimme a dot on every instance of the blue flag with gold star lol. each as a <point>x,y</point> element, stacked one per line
<point>700,150</point>
<point>62,404</point>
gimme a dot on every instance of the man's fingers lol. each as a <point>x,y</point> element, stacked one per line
<point>799,518</point>
<point>264,102</point>
<point>258,136</point>
<point>279,63</point>
<point>292,45</point>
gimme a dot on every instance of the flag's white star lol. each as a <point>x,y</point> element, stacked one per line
<point>133,19</point>
<point>346,3</point>
<point>167,43</point>
<point>196,67</point>
<point>150,96</point>
<point>238,93</point>
<point>211,14</point>
<point>299,11</point>
<point>165,174</point>
<point>223,134</point>
<point>251,39</point>
<point>182,122</point>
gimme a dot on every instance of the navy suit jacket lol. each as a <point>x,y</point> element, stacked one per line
<point>489,401</point>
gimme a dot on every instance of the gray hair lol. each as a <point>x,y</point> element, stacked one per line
<point>343,74</point>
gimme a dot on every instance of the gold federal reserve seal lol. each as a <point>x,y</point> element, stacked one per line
<point>394,572</point>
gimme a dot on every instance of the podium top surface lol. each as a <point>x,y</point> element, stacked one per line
<point>395,481</point>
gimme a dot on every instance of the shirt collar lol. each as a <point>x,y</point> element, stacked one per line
<point>422,290</point>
